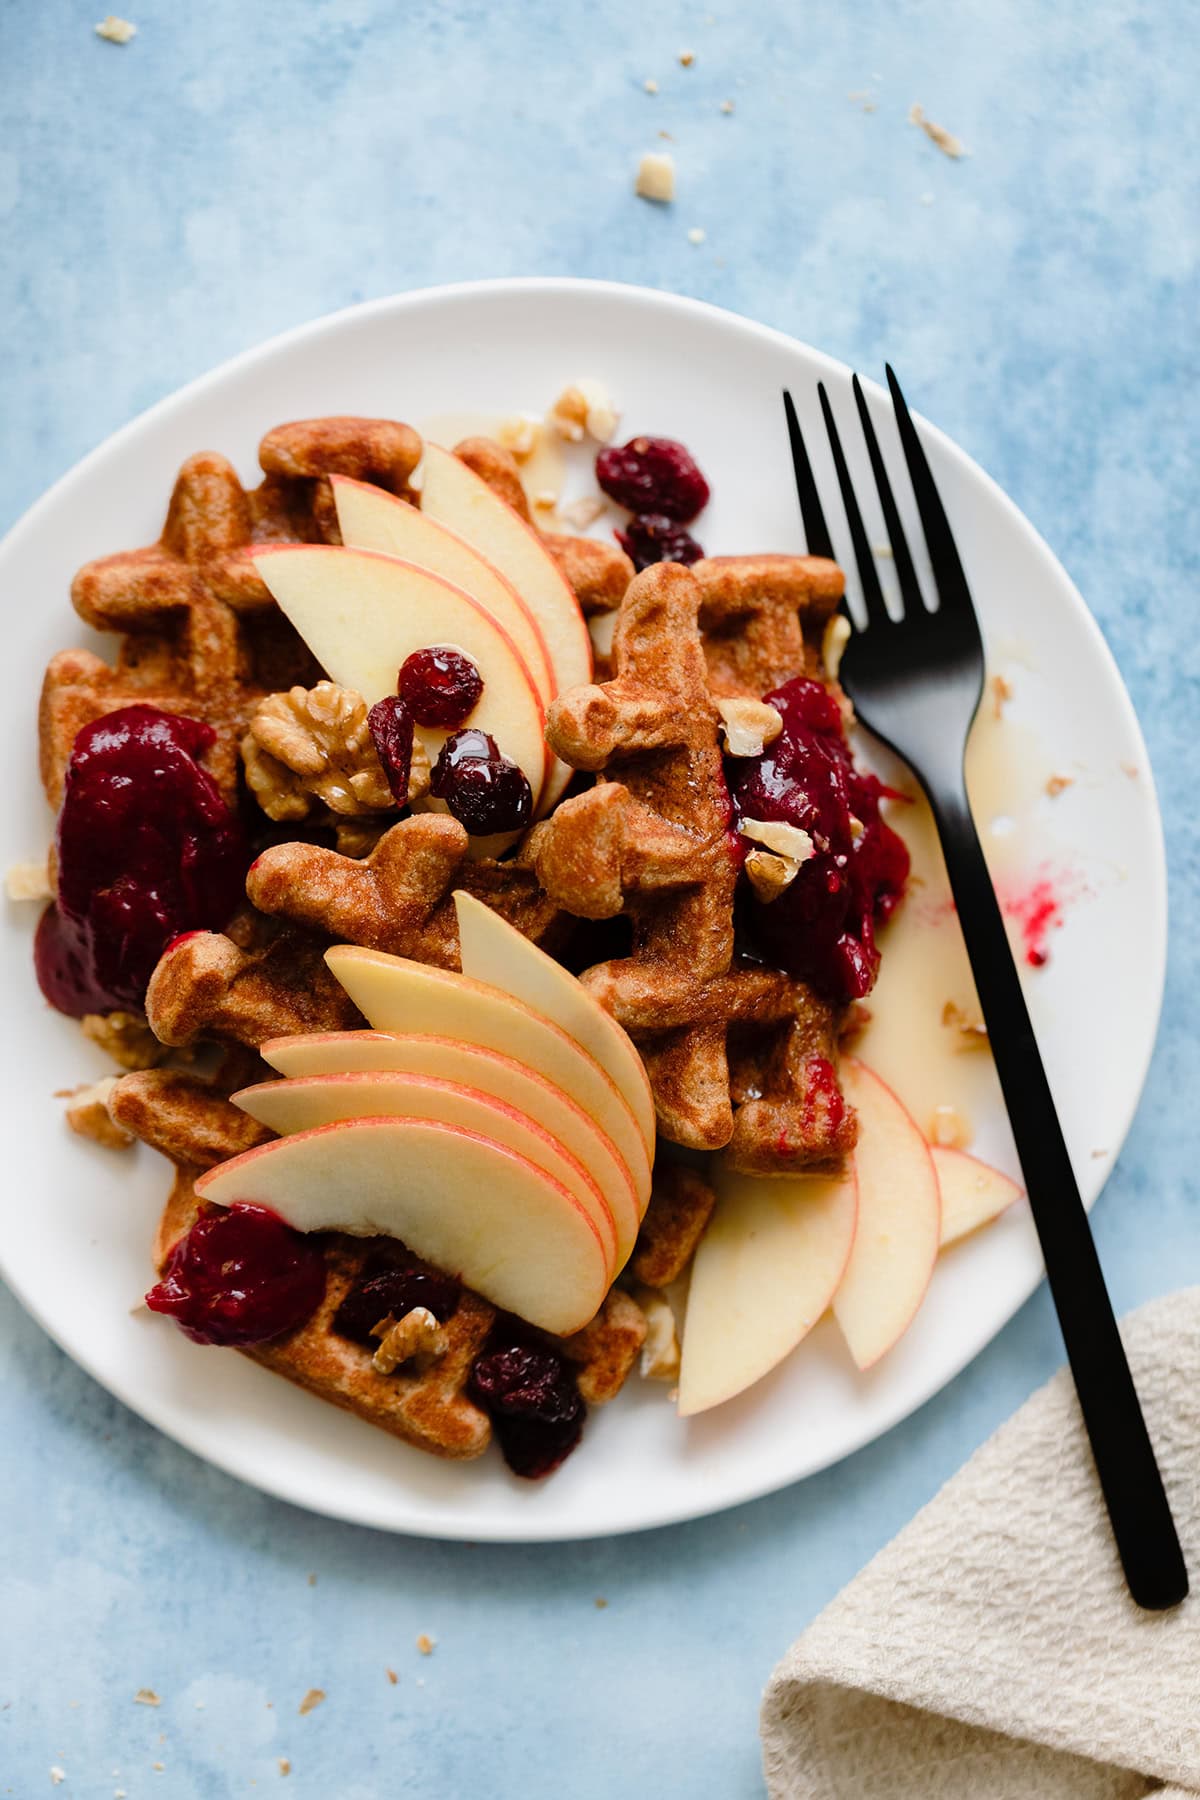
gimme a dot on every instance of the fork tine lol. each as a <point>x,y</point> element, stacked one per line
<point>948,573</point>
<point>877,612</point>
<point>816,531</point>
<point>906,574</point>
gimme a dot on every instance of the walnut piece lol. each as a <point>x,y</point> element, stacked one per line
<point>581,513</point>
<point>945,140</point>
<point>768,873</point>
<point>116,31</point>
<point>584,407</point>
<point>791,841</point>
<point>87,1115</point>
<point>749,725</point>
<point>660,1351</point>
<point>29,881</point>
<point>519,434</point>
<point>314,744</point>
<point>833,643</point>
<point>126,1037</point>
<point>948,1129</point>
<point>417,1338</point>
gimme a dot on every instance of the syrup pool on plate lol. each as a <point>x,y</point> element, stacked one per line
<point>543,471</point>
<point>923,1008</point>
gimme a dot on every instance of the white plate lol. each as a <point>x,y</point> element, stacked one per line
<point>77,1220</point>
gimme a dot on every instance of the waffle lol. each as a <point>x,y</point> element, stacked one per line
<point>680,1207</point>
<point>762,619</point>
<point>650,842</point>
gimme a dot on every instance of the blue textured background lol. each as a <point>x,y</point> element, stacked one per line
<point>239,168</point>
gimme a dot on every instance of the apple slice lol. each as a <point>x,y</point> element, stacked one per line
<point>362,614</point>
<point>470,1065</point>
<point>397,995</point>
<point>372,519</point>
<point>457,497</point>
<point>899,1221</point>
<point>463,1203</point>
<point>766,1269</point>
<point>311,1101</point>
<point>494,951</point>
<point>973,1193</point>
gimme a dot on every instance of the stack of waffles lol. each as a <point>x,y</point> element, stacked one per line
<point>641,841</point>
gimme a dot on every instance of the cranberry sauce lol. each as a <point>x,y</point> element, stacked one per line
<point>386,1286</point>
<point>240,1277</point>
<point>821,928</point>
<point>530,1394</point>
<point>147,849</point>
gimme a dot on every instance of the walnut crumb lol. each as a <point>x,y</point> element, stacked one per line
<point>833,643</point>
<point>57,1775</point>
<point>1130,769</point>
<point>146,1697</point>
<point>285,1767</point>
<point>1002,693</point>
<point>29,881</point>
<point>948,1129</point>
<point>425,1644</point>
<point>697,235</point>
<point>312,1699</point>
<point>392,1676</point>
<point>88,1117</point>
<point>116,31</point>
<point>126,1037</point>
<point>315,744</point>
<point>686,58</point>
<point>656,177</point>
<point>584,511</point>
<point>945,140</point>
<point>415,1338</point>
<point>969,1025</point>
<point>584,407</point>
<point>1058,784</point>
<point>650,86</point>
<point>660,1350</point>
<point>601,1603</point>
<point>727,106</point>
<point>786,840</point>
<point>768,874</point>
<point>520,435</point>
<point>749,725</point>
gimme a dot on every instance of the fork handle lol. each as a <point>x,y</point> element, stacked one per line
<point>1129,1476</point>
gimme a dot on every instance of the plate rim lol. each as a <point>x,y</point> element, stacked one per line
<point>529,1530</point>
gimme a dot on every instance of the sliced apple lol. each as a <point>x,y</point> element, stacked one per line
<point>767,1267</point>
<point>496,952</point>
<point>464,1203</point>
<point>372,519</point>
<point>470,1065</point>
<point>456,497</point>
<point>315,1100</point>
<point>973,1193</point>
<point>361,614</point>
<point>899,1221</point>
<point>397,995</point>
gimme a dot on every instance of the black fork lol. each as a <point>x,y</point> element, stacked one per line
<point>916,682</point>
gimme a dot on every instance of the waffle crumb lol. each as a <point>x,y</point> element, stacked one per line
<point>29,881</point>
<point>425,1644</point>
<point>660,1349</point>
<point>126,1037</point>
<point>88,1117</point>
<point>833,643</point>
<point>945,140</point>
<point>749,725</point>
<point>1002,693</point>
<point>686,58</point>
<point>146,1697</point>
<point>1058,784</point>
<point>697,234</point>
<point>650,86</point>
<point>285,1766</point>
<point>948,1129</point>
<point>656,177</point>
<point>312,1699</point>
<point>116,31</point>
<point>392,1676</point>
<point>791,841</point>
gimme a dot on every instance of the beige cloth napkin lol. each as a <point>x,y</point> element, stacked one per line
<point>991,1651</point>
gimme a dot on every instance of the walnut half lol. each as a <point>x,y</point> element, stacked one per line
<point>315,744</point>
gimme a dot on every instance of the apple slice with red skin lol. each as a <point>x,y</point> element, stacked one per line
<point>496,952</point>
<point>767,1267</point>
<point>311,1101</point>
<point>973,1193</point>
<point>362,615</point>
<point>372,519</point>
<point>899,1221</point>
<point>457,497</point>
<point>471,1065</point>
<point>397,995</point>
<point>469,1206</point>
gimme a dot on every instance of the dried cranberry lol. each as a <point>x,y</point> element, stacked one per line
<point>822,927</point>
<point>391,726</point>
<point>533,1401</point>
<point>147,849</point>
<point>653,538</point>
<point>384,1286</point>
<point>485,791</point>
<point>440,686</point>
<point>240,1277</point>
<point>653,475</point>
